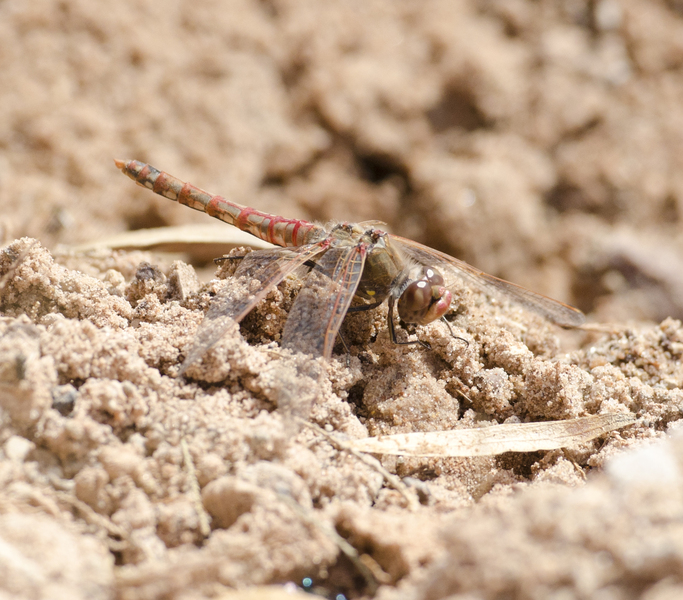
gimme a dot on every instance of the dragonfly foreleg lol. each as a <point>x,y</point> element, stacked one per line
<point>392,329</point>
<point>457,337</point>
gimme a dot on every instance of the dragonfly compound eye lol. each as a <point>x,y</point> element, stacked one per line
<point>424,300</point>
<point>434,277</point>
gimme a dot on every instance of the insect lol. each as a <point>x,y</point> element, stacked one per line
<point>345,260</point>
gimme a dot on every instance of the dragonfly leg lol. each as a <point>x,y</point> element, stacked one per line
<point>392,329</point>
<point>343,341</point>
<point>309,263</point>
<point>362,307</point>
<point>221,259</point>
<point>347,350</point>
<point>453,335</point>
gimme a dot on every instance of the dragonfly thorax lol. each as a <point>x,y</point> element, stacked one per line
<point>384,267</point>
<point>425,299</point>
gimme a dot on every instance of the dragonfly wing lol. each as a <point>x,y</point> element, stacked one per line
<point>256,275</point>
<point>553,310</point>
<point>323,301</point>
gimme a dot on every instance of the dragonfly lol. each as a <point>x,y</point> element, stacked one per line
<point>344,261</point>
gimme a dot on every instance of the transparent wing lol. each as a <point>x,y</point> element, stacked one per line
<point>323,301</point>
<point>256,275</point>
<point>553,310</point>
<point>373,223</point>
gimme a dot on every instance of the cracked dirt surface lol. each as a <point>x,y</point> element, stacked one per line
<point>540,142</point>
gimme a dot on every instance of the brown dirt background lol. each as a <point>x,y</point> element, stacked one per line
<point>540,141</point>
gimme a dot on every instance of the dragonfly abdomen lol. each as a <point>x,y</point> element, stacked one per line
<point>271,228</point>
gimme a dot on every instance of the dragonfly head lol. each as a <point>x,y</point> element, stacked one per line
<point>425,299</point>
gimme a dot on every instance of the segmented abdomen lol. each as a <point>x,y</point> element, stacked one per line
<point>271,228</point>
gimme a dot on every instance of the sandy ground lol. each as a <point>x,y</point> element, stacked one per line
<point>540,141</point>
